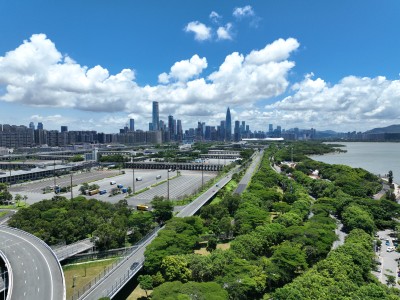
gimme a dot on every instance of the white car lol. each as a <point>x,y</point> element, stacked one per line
<point>390,249</point>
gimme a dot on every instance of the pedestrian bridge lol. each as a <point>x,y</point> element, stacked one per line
<point>177,166</point>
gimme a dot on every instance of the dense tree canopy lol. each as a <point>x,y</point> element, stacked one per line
<point>61,220</point>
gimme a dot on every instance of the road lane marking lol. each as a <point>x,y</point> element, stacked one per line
<point>47,263</point>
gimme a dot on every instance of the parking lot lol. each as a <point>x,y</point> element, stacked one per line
<point>63,181</point>
<point>388,261</point>
<point>187,183</point>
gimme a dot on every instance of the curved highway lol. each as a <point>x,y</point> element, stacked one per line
<point>37,274</point>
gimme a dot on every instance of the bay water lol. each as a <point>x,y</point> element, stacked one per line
<point>377,158</point>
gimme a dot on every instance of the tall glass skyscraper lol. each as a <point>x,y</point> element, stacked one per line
<point>228,126</point>
<point>131,124</point>
<point>156,116</point>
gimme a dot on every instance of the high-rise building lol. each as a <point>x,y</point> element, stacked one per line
<point>132,124</point>
<point>179,130</point>
<point>32,125</point>
<point>162,125</point>
<point>40,125</point>
<point>171,127</point>
<point>64,128</point>
<point>270,128</point>
<point>222,131</point>
<point>228,125</point>
<point>237,131</point>
<point>156,116</point>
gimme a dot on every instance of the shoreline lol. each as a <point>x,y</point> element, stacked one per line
<point>396,189</point>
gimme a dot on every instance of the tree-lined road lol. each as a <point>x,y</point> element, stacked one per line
<point>37,274</point>
<point>249,173</point>
<point>112,282</point>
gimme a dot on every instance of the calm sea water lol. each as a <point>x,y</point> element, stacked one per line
<point>378,158</point>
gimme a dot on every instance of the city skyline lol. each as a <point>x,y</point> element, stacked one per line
<point>313,65</point>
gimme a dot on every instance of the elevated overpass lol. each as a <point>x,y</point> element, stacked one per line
<point>173,165</point>
<point>72,249</point>
<point>33,269</point>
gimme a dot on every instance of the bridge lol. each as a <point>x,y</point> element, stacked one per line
<point>173,165</point>
<point>33,269</point>
<point>72,249</point>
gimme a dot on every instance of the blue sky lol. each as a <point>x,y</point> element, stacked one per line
<point>93,64</point>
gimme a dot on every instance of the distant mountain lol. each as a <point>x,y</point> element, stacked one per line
<point>388,129</point>
<point>326,134</point>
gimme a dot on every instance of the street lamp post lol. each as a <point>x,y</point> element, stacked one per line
<point>202,173</point>
<point>54,174</point>
<point>168,184</point>
<point>133,177</point>
<point>72,195</point>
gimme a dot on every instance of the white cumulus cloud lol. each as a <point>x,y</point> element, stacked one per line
<point>224,32</point>
<point>362,102</point>
<point>201,31</point>
<point>184,69</point>
<point>215,17</point>
<point>245,11</point>
<point>37,74</point>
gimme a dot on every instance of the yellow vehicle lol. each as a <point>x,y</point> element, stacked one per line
<point>93,192</point>
<point>142,207</point>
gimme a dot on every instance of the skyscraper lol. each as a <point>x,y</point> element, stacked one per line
<point>237,131</point>
<point>222,131</point>
<point>32,125</point>
<point>156,116</point>
<point>40,125</point>
<point>228,125</point>
<point>179,131</point>
<point>132,124</point>
<point>171,127</point>
<point>64,128</point>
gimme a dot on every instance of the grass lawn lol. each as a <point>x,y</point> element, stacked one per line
<point>137,293</point>
<point>2,213</point>
<point>14,206</point>
<point>222,246</point>
<point>93,269</point>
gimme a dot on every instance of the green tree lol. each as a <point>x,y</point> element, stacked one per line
<point>84,187</point>
<point>212,244</point>
<point>146,283</point>
<point>175,268</point>
<point>18,199</point>
<point>390,177</point>
<point>5,195</point>
<point>162,209</point>
<point>77,158</point>
<point>355,216</point>
<point>390,280</point>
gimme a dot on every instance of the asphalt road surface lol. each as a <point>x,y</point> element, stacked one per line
<point>249,173</point>
<point>186,184</point>
<point>64,181</point>
<point>37,275</point>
